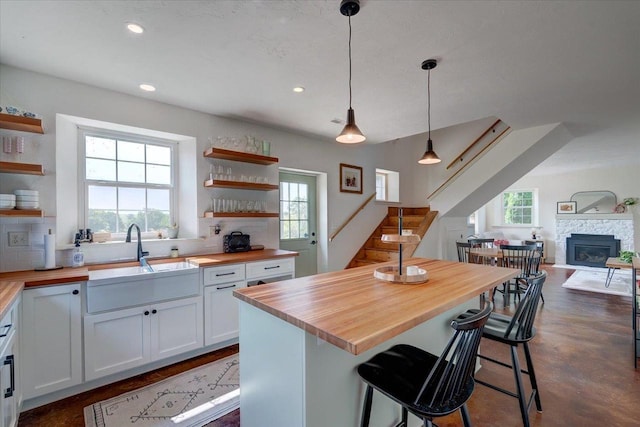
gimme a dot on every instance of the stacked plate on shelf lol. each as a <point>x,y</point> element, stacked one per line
<point>7,201</point>
<point>27,199</point>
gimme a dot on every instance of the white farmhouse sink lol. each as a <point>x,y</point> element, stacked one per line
<point>156,269</point>
<point>117,288</point>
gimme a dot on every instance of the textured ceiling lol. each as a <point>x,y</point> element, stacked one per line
<point>526,62</point>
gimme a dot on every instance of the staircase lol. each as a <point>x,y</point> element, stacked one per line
<point>374,250</point>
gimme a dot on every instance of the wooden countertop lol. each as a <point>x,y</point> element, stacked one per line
<point>355,311</point>
<point>221,259</point>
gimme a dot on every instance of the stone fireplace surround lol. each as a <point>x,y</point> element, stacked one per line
<point>618,225</point>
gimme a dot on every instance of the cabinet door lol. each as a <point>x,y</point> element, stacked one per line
<point>176,327</point>
<point>51,339</point>
<point>8,384</point>
<point>116,341</point>
<point>221,312</point>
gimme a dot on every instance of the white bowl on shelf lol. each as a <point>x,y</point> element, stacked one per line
<point>27,205</point>
<point>26,193</point>
<point>7,198</point>
<point>27,199</point>
<point>7,205</point>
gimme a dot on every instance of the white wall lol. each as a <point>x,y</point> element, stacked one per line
<point>622,180</point>
<point>49,96</point>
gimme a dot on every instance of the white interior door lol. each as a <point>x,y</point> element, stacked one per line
<point>298,214</point>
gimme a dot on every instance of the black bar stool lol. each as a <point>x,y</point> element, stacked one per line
<point>514,331</point>
<point>424,384</point>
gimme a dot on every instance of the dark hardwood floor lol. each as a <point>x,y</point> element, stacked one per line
<point>583,355</point>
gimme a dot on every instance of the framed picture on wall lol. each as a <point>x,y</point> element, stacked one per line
<point>350,178</point>
<point>567,207</point>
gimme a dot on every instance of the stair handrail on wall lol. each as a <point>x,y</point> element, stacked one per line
<point>470,161</point>
<point>353,215</point>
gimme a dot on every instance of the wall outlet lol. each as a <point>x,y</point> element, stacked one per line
<point>18,238</point>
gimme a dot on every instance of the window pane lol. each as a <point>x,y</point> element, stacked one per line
<point>294,210</point>
<point>131,198</point>
<point>100,147</point>
<point>294,232</point>
<point>284,191</point>
<point>159,155</point>
<point>293,191</point>
<point>284,230</point>
<point>130,172</point>
<point>158,220</point>
<point>158,174</point>
<point>132,217</point>
<point>304,228</point>
<point>131,151</point>
<point>101,220</point>
<point>158,199</point>
<point>284,210</point>
<point>304,210</point>
<point>102,197</point>
<point>102,170</point>
<point>302,193</point>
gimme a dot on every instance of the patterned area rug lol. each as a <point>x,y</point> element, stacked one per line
<point>190,399</point>
<point>593,281</point>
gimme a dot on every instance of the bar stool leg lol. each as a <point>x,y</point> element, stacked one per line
<point>532,376</point>
<point>519,386</point>
<point>466,419</point>
<point>366,409</point>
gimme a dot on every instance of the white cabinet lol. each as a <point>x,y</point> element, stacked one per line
<point>51,339</point>
<point>277,267</point>
<point>10,390</point>
<point>119,340</point>
<point>220,306</point>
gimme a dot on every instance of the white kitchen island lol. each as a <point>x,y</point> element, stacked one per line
<point>302,339</point>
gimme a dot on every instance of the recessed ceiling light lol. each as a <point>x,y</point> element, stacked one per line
<point>135,28</point>
<point>147,87</point>
<point>298,89</point>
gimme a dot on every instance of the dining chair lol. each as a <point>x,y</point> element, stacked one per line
<point>520,257</point>
<point>514,331</point>
<point>463,251</point>
<point>482,243</point>
<point>422,383</point>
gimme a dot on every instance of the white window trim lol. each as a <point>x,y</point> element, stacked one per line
<point>83,195</point>
<point>534,218</point>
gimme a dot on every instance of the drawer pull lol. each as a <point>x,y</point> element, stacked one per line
<point>6,332</point>
<point>75,292</point>
<point>271,268</point>
<point>225,287</point>
<point>225,274</point>
<point>9,360</point>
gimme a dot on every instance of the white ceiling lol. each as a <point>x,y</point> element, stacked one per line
<point>526,62</point>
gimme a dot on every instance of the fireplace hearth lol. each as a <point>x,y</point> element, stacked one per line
<point>591,250</point>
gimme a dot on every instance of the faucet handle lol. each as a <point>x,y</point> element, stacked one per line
<point>145,253</point>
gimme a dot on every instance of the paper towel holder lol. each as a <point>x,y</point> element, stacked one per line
<point>55,267</point>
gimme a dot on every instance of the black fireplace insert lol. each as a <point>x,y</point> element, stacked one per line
<point>591,250</point>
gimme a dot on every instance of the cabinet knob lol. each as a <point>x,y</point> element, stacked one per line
<point>154,311</point>
<point>75,292</point>
<point>146,313</point>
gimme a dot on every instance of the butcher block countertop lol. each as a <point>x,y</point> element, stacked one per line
<point>355,311</point>
<point>12,283</point>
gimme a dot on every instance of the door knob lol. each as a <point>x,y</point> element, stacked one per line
<point>313,242</point>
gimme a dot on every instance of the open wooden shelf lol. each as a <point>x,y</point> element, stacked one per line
<point>209,214</point>
<point>21,212</point>
<point>216,183</point>
<point>24,124</point>
<point>22,168</point>
<point>239,156</point>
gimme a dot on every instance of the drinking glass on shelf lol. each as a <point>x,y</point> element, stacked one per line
<point>6,144</point>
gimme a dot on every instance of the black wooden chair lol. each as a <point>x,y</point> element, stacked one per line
<point>463,251</point>
<point>514,331</point>
<point>520,257</point>
<point>535,269</point>
<point>424,384</point>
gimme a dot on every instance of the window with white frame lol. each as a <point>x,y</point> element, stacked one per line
<point>127,179</point>
<point>387,185</point>
<point>519,207</point>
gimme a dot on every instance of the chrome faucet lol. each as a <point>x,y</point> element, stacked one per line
<point>141,253</point>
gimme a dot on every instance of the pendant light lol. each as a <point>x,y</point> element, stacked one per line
<point>430,157</point>
<point>350,134</point>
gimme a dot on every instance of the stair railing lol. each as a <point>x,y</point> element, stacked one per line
<point>353,215</point>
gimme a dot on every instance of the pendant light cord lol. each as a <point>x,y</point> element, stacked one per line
<point>429,101</point>
<point>349,60</point>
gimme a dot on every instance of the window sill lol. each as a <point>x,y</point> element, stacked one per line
<point>120,242</point>
<point>514,226</point>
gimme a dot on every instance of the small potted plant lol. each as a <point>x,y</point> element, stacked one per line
<point>172,232</point>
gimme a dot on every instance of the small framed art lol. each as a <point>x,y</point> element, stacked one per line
<point>566,207</point>
<point>350,179</point>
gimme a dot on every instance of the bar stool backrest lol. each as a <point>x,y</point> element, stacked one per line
<point>521,326</point>
<point>521,257</point>
<point>452,374</point>
<point>463,251</point>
